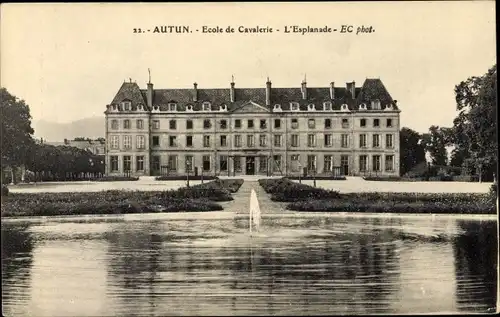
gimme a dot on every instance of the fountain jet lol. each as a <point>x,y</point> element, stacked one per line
<point>254,212</point>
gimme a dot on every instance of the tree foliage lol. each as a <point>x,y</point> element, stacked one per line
<point>435,142</point>
<point>16,129</point>
<point>474,128</point>
<point>412,151</point>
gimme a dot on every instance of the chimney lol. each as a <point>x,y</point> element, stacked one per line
<point>351,87</point>
<point>268,92</point>
<point>304,89</point>
<point>332,90</point>
<point>195,93</point>
<point>150,95</point>
<point>231,92</point>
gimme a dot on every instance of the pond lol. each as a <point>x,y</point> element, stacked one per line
<point>208,264</point>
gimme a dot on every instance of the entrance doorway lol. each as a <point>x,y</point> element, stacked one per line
<point>250,165</point>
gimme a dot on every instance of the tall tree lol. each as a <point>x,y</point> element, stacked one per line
<point>412,151</point>
<point>16,131</point>
<point>475,125</point>
<point>436,141</point>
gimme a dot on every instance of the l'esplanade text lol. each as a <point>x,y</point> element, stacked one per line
<point>266,29</point>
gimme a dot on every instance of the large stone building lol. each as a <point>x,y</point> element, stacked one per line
<point>267,131</point>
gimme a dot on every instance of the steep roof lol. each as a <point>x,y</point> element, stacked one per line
<point>372,89</point>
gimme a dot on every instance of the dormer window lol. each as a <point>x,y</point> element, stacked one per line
<point>388,106</point>
<point>344,107</point>
<point>207,106</point>
<point>113,107</point>
<point>172,106</point>
<point>223,108</point>
<point>294,106</point>
<point>327,106</point>
<point>140,107</point>
<point>277,107</point>
<point>156,108</point>
<point>189,108</point>
<point>376,104</point>
<point>362,106</point>
<point>311,107</point>
<point>127,105</point>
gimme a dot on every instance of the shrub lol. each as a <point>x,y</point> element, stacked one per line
<point>231,185</point>
<point>285,190</point>
<point>5,190</point>
<point>117,178</point>
<point>183,178</point>
<point>319,177</point>
<point>493,193</point>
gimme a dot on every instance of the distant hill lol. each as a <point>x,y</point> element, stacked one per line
<point>92,127</point>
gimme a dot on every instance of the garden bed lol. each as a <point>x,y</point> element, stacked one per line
<point>319,178</point>
<point>116,178</point>
<point>284,190</point>
<point>184,178</point>
<point>441,178</point>
<point>201,197</point>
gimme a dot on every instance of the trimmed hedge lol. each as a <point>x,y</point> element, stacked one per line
<point>183,178</point>
<point>116,178</point>
<point>440,178</point>
<point>285,190</point>
<point>332,178</point>
<point>231,185</point>
<point>390,206</point>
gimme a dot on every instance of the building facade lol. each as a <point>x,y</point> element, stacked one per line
<point>265,131</point>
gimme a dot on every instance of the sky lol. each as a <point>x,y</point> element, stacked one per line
<point>67,61</point>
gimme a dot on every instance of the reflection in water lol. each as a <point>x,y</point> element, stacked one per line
<point>476,254</point>
<point>313,265</point>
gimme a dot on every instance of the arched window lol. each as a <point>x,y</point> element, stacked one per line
<point>362,106</point>
<point>311,107</point>
<point>344,107</point>
<point>189,108</point>
<point>277,107</point>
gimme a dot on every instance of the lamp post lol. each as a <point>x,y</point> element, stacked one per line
<point>188,165</point>
<point>300,173</point>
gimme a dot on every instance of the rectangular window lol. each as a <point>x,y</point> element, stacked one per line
<point>207,106</point>
<point>207,124</point>
<point>189,125</point>
<point>276,163</point>
<point>172,141</point>
<point>363,163</point>
<point>277,123</point>
<point>223,162</point>
<point>362,123</point>
<point>389,163</point>
<point>376,140</point>
<point>327,106</point>
<point>376,163</point>
<point>127,105</point>
<point>139,163</point>
<point>189,141</point>
<point>172,162</point>
<point>237,140</point>
<point>206,163</point>
<point>250,140</point>
<point>172,107</point>
<point>263,164</point>
<point>114,125</point>
<point>114,163</point>
<point>262,140</point>
<point>156,124</point>
<point>389,123</point>
<point>263,124</point>
<point>295,162</point>
<point>250,123</point>
<point>126,124</point>
<point>277,140</point>
<point>311,123</point>
<point>376,123</point>
<point>388,141</point>
<point>115,142</point>
<point>155,163</point>
<point>206,141</point>
<point>311,140</point>
<point>223,124</point>
<point>362,140</point>
<point>344,140</point>
<point>172,124</point>
<point>127,163</point>
<point>237,124</point>
<point>139,124</point>
<point>344,163</point>
<point>328,163</point>
<point>156,140</point>
<point>237,163</point>
<point>295,123</point>
<point>311,163</point>
<point>188,163</point>
<point>141,140</point>
<point>328,123</point>
<point>223,140</point>
<point>294,140</point>
<point>345,123</point>
<point>127,141</point>
<point>328,140</point>
<point>294,106</point>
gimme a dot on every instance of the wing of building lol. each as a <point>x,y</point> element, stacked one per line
<point>267,131</point>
